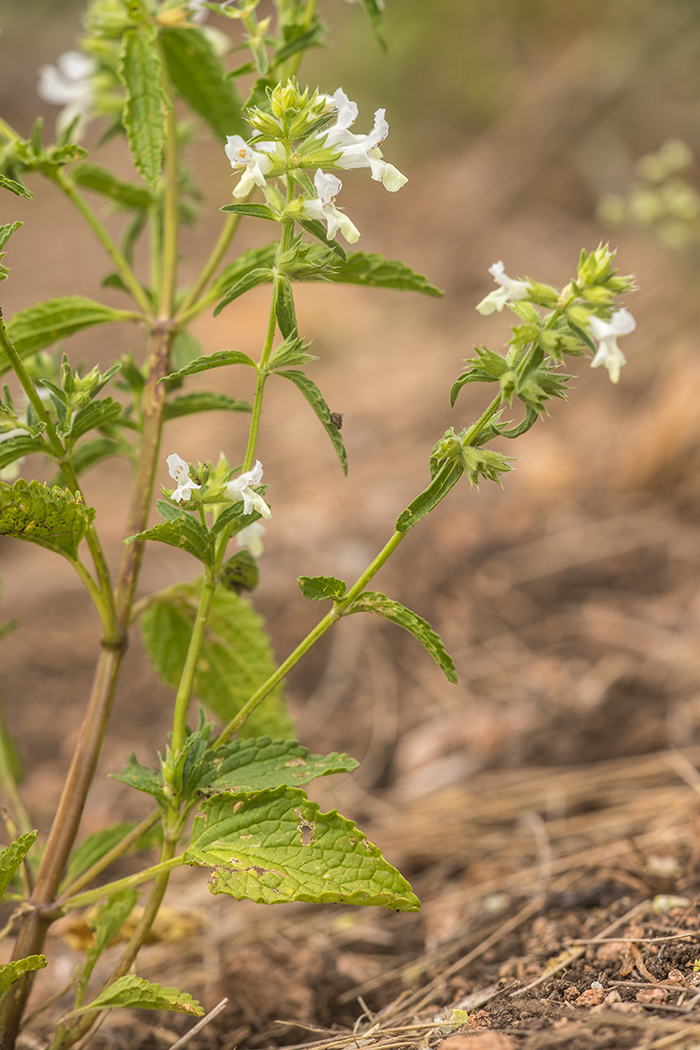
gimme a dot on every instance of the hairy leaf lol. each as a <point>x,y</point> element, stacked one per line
<point>12,971</point>
<point>372,269</point>
<point>12,856</point>
<point>44,324</point>
<point>278,847</point>
<point>373,601</point>
<point>235,659</point>
<point>15,187</point>
<point>284,307</point>
<point>204,401</point>
<point>102,181</point>
<point>216,360</point>
<point>142,778</point>
<point>51,517</point>
<point>251,280</point>
<point>259,763</point>
<point>187,533</point>
<point>448,476</point>
<point>138,993</point>
<point>315,398</point>
<point>200,77</point>
<point>145,106</point>
<point>318,588</point>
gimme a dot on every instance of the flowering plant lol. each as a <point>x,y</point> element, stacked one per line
<point>138,58</point>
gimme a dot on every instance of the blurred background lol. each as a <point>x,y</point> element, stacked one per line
<point>569,599</point>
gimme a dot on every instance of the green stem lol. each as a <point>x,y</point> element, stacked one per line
<point>260,389</point>
<point>127,274</point>
<point>338,610</point>
<point>82,900</point>
<point>209,269</point>
<point>171,216</point>
<point>184,692</point>
<point>114,854</point>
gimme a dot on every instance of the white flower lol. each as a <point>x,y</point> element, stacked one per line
<point>198,13</point>
<point>239,489</point>
<point>361,151</point>
<point>323,208</point>
<point>605,334</point>
<point>255,162</point>
<point>180,472</point>
<point>69,84</point>
<point>509,290</point>
<point>251,537</point>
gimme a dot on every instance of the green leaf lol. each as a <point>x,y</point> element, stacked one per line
<point>91,452</point>
<point>447,476</point>
<point>96,414</point>
<point>12,971</point>
<point>50,517</point>
<point>108,921</point>
<point>217,360</point>
<point>486,367</point>
<point>315,398</point>
<point>145,105</point>
<point>15,448</point>
<point>318,230</point>
<point>251,280</point>
<point>293,351</point>
<point>187,533</point>
<point>373,601</point>
<point>12,856</point>
<point>278,847</point>
<point>256,211</point>
<point>15,187</point>
<point>318,588</point>
<point>253,765</point>
<point>240,572</point>
<point>372,269</point>
<point>102,181</point>
<point>373,10</point>
<point>200,77</point>
<point>284,307</point>
<point>94,847</point>
<point>44,324</point>
<point>297,39</point>
<point>204,401</point>
<point>251,259</point>
<point>142,778</point>
<point>234,662</point>
<point>6,232</point>
<point>138,993</point>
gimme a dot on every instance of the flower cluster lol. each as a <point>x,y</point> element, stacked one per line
<point>335,146</point>
<point>69,84</point>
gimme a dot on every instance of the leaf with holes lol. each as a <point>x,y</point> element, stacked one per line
<point>278,847</point>
<point>12,971</point>
<point>50,517</point>
<point>253,765</point>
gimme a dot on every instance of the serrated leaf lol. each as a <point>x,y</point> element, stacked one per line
<point>372,270</point>
<point>12,971</point>
<point>14,448</point>
<point>315,398</point>
<point>50,517</point>
<point>448,476</point>
<point>251,259</point>
<point>373,601</point>
<point>186,533</point>
<point>139,994</point>
<point>100,180</point>
<point>145,106</point>
<point>261,763</point>
<point>204,401</point>
<point>217,360</point>
<point>234,662</point>
<point>318,588</point>
<point>142,778</point>
<point>278,847</point>
<point>250,280</point>
<point>96,414</point>
<point>15,187</point>
<point>7,230</point>
<point>46,323</point>
<point>256,211</point>
<point>12,856</point>
<point>292,351</point>
<point>200,77</point>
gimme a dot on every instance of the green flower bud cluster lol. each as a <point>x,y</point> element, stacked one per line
<point>661,199</point>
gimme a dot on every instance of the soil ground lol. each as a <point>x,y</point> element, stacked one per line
<point>547,809</point>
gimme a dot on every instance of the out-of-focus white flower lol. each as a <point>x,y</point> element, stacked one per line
<point>198,13</point>
<point>361,151</point>
<point>69,84</point>
<point>180,472</point>
<point>323,208</point>
<point>251,537</point>
<point>240,488</point>
<point>605,334</point>
<point>508,291</point>
<point>255,162</point>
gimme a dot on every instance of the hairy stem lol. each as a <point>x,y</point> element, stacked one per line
<point>184,691</point>
<point>210,267</point>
